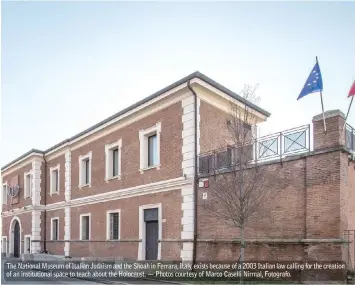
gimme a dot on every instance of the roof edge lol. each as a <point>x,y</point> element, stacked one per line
<point>32,151</point>
<point>193,75</point>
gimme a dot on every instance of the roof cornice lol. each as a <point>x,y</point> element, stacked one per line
<point>134,106</point>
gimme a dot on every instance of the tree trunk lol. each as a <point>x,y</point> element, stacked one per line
<point>242,254</point>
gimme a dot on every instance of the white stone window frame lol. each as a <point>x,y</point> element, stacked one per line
<point>51,170</point>
<point>108,160</point>
<point>143,143</point>
<point>108,223</point>
<point>52,219</point>
<point>82,158</point>
<point>4,244</point>
<point>81,226</point>
<point>4,196</point>
<point>27,193</point>
<point>26,244</point>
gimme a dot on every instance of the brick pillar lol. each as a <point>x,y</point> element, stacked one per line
<point>334,136</point>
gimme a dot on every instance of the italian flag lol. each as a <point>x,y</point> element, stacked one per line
<point>352,90</point>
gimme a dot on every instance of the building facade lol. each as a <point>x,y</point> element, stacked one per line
<point>124,187</point>
<point>128,186</point>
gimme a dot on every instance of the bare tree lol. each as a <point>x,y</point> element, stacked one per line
<point>240,193</point>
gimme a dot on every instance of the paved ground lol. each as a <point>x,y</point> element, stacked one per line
<point>75,281</point>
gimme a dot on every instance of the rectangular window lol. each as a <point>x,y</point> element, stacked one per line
<point>55,180</point>
<point>85,170</point>
<point>149,141</point>
<point>113,160</point>
<point>152,150</point>
<point>85,227</point>
<point>28,185</point>
<point>4,194</point>
<point>55,229</point>
<point>4,244</point>
<point>27,244</point>
<point>114,226</point>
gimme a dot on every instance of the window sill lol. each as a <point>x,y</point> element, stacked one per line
<point>29,196</point>
<point>85,240</point>
<point>149,168</point>
<point>118,177</point>
<point>85,185</point>
<point>112,239</point>
<point>54,193</point>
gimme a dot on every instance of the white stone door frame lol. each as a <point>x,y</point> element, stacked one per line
<point>142,237</point>
<point>11,235</point>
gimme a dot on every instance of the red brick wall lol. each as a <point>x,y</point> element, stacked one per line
<point>348,206</point>
<point>55,247</point>
<point>294,210</point>
<point>170,154</point>
<point>334,136</point>
<point>171,211</point>
<point>323,195</point>
<point>213,128</point>
<point>21,200</point>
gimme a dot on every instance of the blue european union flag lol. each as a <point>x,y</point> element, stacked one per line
<point>314,82</point>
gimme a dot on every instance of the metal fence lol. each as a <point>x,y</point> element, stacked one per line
<point>270,147</point>
<point>350,137</point>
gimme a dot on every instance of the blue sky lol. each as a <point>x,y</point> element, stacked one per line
<point>67,65</point>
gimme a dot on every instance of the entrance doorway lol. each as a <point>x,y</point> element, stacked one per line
<point>17,239</point>
<point>15,235</point>
<point>151,233</point>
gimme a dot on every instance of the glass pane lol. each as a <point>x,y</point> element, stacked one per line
<point>350,139</point>
<point>295,141</point>
<point>30,189</point>
<point>55,229</point>
<point>56,178</point>
<point>87,169</point>
<point>268,148</point>
<point>85,228</point>
<point>115,162</point>
<point>114,226</point>
<point>152,151</point>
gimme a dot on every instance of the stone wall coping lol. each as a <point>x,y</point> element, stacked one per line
<point>329,114</point>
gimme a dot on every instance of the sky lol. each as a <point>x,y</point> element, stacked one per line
<point>65,66</point>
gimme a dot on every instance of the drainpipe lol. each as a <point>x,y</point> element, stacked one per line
<point>195,177</point>
<point>45,204</point>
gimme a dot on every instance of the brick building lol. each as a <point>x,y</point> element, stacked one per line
<point>125,187</point>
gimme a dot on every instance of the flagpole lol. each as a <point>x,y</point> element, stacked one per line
<point>321,100</point>
<point>351,102</point>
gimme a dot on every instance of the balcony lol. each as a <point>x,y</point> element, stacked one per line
<point>267,148</point>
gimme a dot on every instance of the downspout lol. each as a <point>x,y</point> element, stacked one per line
<point>45,205</point>
<point>194,250</point>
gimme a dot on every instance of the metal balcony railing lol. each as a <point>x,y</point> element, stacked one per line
<point>266,148</point>
<point>350,137</point>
